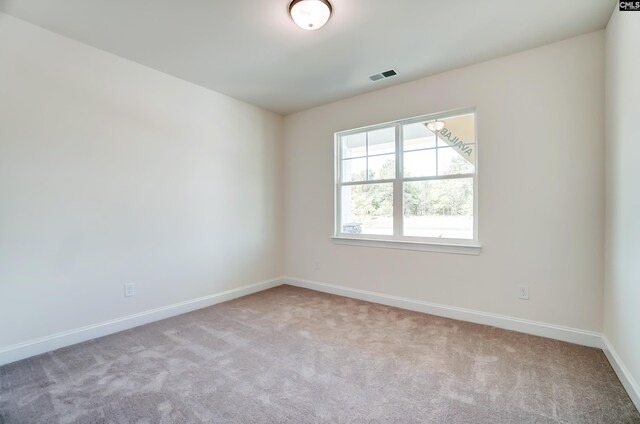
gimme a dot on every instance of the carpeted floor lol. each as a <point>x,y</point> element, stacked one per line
<point>290,355</point>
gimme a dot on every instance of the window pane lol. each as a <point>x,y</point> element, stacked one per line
<point>458,132</point>
<point>354,145</point>
<point>417,136</point>
<point>452,161</point>
<point>367,209</point>
<point>421,163</point>
<point>354,170</point>
<point>382,167</point>
<point>382,141</point>
<point>462,127</point>
<point>439,208</point>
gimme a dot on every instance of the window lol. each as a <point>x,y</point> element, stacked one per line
<point>412,182</point>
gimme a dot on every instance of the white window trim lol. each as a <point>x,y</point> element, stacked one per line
<point>461,249</point>
<point>457,246</point>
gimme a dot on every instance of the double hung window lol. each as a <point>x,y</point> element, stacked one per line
<point>413,180</point>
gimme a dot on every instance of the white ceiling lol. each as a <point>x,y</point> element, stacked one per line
<point>252,50</point>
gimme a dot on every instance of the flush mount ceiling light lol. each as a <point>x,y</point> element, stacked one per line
<point>310,14</point>
<point>435,126</point>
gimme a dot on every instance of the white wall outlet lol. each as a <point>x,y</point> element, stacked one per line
<point>523,292</point>
<point>129,290</point>
<point>316,265</point>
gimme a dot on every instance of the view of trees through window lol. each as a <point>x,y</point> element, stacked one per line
<point>437,181</point>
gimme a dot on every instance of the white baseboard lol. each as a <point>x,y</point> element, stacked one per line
<point>558,332</point>
<point>66,338</point>
<point>627,380</point>
<point>582,337</point>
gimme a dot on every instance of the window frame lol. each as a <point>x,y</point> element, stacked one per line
<point>398,240</point>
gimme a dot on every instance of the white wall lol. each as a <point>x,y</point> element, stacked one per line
<point>111,172</point>
<point>541,146</point>
<point>622,279</point>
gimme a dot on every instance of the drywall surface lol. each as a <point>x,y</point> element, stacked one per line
<point>622,278</point>
<point>114,173</point>
<point>540,118</point>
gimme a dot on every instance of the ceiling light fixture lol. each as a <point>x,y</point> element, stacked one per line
<point>435,126</point>
<point>310,14</point>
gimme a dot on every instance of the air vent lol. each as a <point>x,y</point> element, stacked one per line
<point>389,73</point>
<point>382,75</point>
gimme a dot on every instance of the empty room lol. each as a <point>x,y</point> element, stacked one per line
<point>319,211</point>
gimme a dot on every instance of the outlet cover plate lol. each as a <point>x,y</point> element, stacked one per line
<point>523,292</point>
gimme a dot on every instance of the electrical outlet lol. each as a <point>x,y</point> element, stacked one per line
<point>316,265</point>
<point>523,292</point>
<point>129,290</point>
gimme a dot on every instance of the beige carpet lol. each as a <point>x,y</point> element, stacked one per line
<point>289,355</point>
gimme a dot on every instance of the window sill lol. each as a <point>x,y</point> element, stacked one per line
<point>459,249</point>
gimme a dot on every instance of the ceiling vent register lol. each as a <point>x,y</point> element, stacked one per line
<point>383,75</point>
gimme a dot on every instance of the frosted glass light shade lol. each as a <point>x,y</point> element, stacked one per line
<point>310,14</point>
<point>435,126</point>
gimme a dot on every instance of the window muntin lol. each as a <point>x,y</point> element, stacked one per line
<point>406,182</point>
